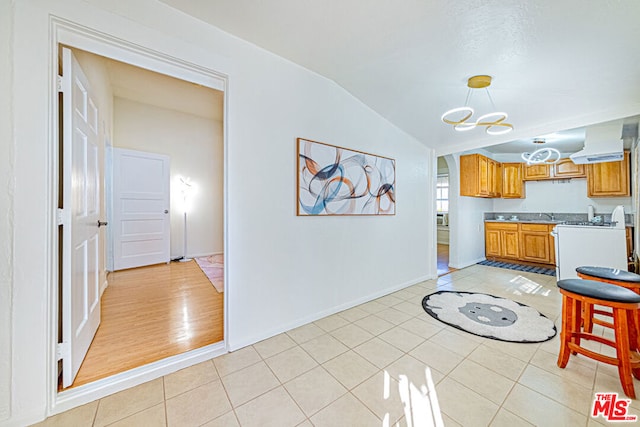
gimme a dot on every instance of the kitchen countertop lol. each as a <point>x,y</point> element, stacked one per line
<point>544,217</point>
<point>533,221</point>
<point>529,221</point>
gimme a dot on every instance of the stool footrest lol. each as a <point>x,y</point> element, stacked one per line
<point>592,337</point>
<point>602,323</point>
<point>602,312</point>
<point>594,355</point>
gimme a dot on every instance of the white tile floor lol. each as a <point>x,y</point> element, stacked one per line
<point>383,363</point>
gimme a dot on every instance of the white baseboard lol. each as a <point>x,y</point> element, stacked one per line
<point>199,255</point>
<point>233,346</point>
<point>465,264</point>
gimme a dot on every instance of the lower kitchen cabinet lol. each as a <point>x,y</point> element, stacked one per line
<point>501,240</point>
<point>526,242</point>
<point>536,243</point>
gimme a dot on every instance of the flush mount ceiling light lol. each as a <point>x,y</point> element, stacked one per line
<point>494,122</point>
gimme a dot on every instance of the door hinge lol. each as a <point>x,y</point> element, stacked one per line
<point>62,350</point>
<point>60,216</point>
<point>59,84</point>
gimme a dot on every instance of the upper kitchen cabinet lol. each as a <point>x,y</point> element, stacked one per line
<point>495,175</point>
<point>537,172</point>
<point>565,168</point>
<point>480,176</point>
<point>609,179</point>
<point>512,183</point>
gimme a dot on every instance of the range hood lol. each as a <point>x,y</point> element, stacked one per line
<point>602,143</point>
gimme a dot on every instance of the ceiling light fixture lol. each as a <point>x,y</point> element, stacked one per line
<point>494,122</point>
<point>542,155</point>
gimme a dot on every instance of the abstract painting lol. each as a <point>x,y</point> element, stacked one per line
<point>336,181</point>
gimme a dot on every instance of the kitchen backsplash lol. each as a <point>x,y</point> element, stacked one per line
<point>544,216</point>
<point>559,196</point>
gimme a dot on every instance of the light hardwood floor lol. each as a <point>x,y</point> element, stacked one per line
<point>443,260</point>
<point>151,313</point>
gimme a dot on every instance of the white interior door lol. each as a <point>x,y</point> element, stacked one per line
<point>141,221</point>
<point>80,219</point>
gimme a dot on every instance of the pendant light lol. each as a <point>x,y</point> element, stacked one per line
<point>494,123</point>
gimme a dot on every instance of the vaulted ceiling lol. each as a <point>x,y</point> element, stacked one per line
<point>556,64</point>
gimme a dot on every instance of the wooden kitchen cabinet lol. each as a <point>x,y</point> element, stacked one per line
<point>537,172</point>
<point>501,240</point>
<point>609,179</point>
<point>529,243</point>
<point>536,243</point>
<point>629,234</point>
<point>510,244</point>
<point>480,176</point>
<point>492,242</point>
<point>565,168</point>
<point>512,183</point>
<point>495,177</point>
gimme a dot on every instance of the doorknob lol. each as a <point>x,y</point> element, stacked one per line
<point>166,211</point>
<point>102,223</point>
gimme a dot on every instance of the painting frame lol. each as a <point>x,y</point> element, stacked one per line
<point>338,181</point>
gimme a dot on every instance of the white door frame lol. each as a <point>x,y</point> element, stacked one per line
<point>80,37</point>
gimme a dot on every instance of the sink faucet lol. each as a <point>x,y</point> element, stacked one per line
<point>550,215</point>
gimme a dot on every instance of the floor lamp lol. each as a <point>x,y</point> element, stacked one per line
<point>185,189</point>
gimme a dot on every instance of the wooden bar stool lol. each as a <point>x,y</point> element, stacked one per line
<point>607,275</point>
<point>623,303</point>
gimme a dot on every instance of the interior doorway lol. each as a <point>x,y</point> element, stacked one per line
<point>443,207</point>
<point>176,302</point>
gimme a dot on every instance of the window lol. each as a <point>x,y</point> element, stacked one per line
<point>442,193</point>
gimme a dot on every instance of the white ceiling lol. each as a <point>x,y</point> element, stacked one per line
<point>556,64</point>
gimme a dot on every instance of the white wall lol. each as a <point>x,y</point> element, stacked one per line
<point>7,161</point>
<point>195,146</point>
<point>282,270</point>
<point>466,219</point>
